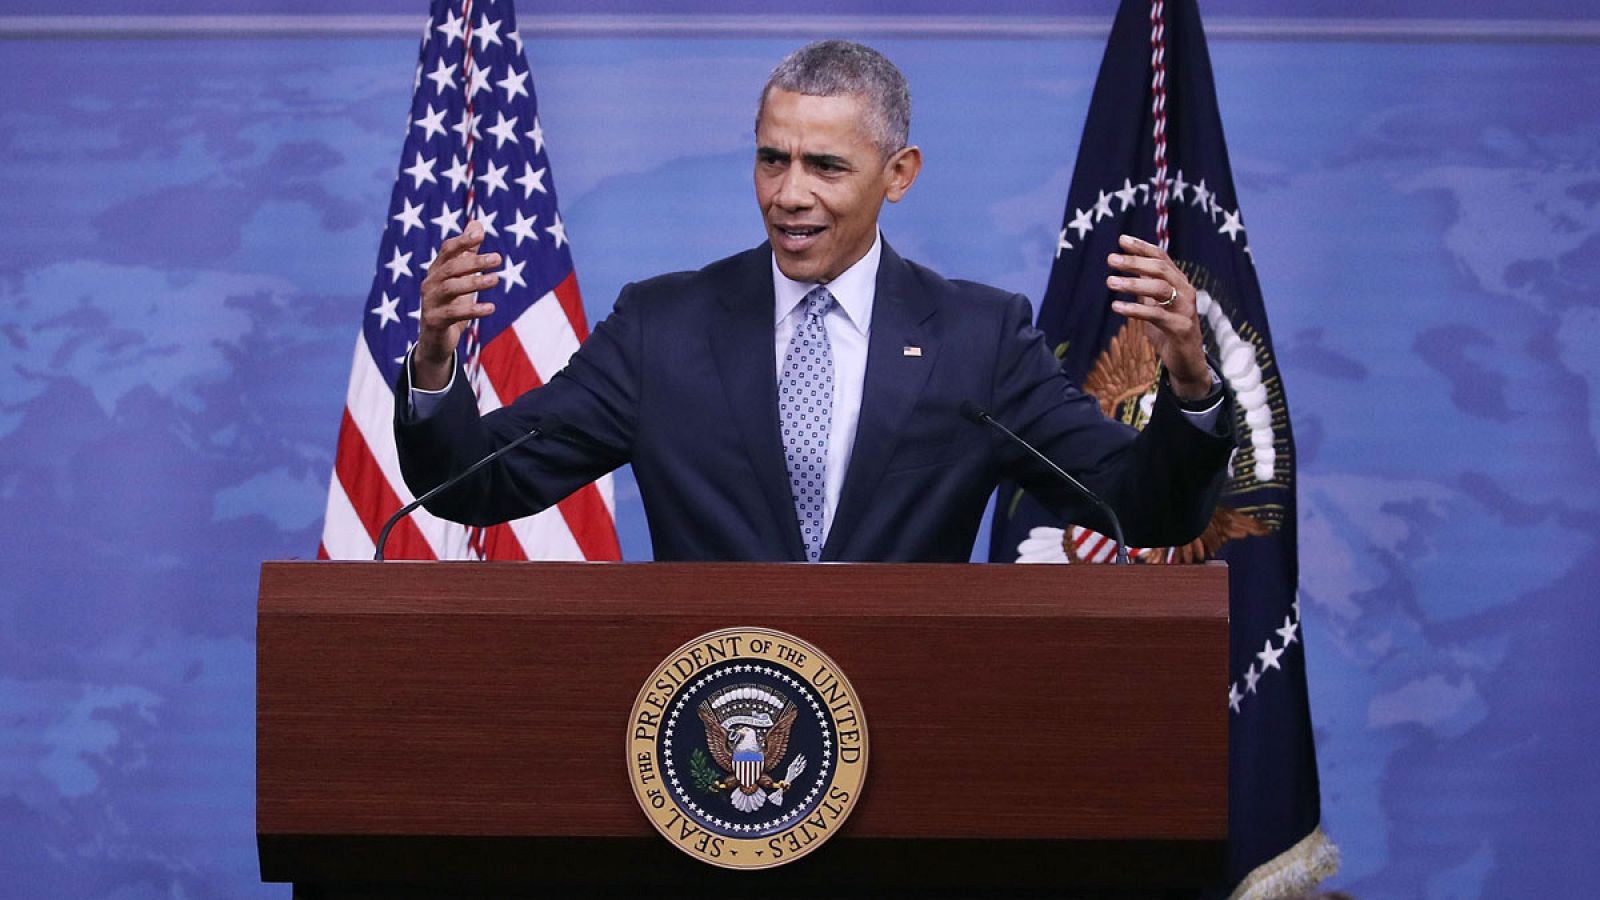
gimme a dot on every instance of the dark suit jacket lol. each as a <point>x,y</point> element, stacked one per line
<point>680,381</point>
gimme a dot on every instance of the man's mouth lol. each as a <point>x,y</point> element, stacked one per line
<point>798,237</point>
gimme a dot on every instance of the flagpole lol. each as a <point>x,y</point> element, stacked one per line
<point>1158,113</point>
<point>476,547</point>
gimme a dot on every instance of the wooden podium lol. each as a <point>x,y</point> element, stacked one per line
<point>458,729</point>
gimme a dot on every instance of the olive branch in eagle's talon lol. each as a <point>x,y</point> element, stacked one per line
<point>705,777</point>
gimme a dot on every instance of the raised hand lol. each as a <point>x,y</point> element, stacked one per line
<point>1165,302</point>
<point>449,303</point>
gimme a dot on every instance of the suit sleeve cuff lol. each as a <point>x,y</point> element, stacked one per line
<point>1202,413</point>
<point>421,404</point>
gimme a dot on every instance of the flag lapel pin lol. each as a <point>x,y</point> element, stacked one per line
<point>911,350</point>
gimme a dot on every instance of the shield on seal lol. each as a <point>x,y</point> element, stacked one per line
<point>747,765</point>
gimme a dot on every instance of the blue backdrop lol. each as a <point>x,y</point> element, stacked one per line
<point>188,228</point>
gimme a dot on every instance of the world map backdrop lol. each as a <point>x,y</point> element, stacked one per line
<point>188,228</point>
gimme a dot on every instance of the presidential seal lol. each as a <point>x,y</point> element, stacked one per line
<point>747,748</point>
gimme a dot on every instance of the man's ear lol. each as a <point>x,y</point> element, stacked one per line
<point>902,168</point>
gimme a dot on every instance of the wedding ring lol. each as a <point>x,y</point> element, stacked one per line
<point>1170,297</point>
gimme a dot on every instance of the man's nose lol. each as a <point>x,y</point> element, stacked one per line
<point>794,189</point>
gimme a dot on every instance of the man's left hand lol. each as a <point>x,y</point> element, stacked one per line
<point>1165,302</point>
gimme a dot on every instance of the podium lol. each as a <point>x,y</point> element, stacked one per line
<point>458,729</point>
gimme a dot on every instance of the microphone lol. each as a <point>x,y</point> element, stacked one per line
<point>383,536</point>
<point>977,414</point>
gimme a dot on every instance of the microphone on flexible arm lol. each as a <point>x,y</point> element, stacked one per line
<point>547,426</point>
<point>977,414</point>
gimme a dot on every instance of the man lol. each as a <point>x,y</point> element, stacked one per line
<point>801,401</point>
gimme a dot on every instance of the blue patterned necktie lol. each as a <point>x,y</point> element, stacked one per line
<point>805,410</point>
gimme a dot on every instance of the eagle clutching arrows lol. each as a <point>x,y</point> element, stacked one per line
<point>747,741</point>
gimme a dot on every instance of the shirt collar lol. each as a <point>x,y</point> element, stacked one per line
<point>854,289</point>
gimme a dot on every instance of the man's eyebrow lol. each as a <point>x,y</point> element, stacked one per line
<point>826,160</point>
<point>772,153</point>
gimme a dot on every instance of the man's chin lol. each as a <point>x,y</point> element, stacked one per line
<point>805,267</point>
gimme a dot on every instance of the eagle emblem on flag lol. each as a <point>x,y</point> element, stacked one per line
<point>1123,380</point>
<point>747,734</point>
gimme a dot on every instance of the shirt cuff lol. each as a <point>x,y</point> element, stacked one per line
<point>421,404</point>
<point>1206,420</point>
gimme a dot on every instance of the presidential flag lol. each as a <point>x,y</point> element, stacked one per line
<point>1153,163</point>
<point>474,149</point>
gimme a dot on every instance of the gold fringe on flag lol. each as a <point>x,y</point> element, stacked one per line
<point>1292,873</point>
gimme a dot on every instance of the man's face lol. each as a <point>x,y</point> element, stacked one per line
<point>820,180</point>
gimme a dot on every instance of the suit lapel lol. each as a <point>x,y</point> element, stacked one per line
<point>901,319</point>
<point>743,350</point>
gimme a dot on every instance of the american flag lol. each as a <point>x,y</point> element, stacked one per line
<point>474,149</point>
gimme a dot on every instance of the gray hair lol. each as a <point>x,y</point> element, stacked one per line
<point>834,68</point>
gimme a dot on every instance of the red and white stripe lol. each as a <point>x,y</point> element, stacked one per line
<point>1093,547</point>
<point>366,487</point>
